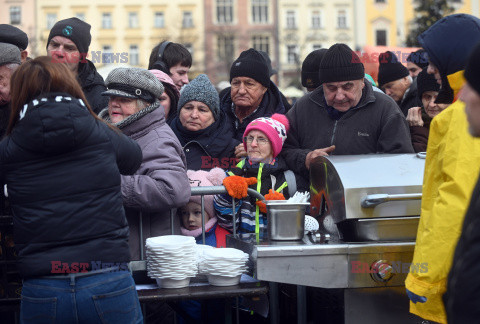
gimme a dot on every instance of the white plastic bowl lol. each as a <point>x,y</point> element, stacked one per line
<point>215,280</point>
<point>173,283</point>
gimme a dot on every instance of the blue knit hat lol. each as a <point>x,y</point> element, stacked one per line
<point>201,89</point>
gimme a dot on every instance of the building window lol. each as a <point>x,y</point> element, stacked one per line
<point>133,55</point>
<point>381,37</point>
<point>51,20</point>
<point>224,11</point>
<point>291,22</point>
<point>260,11</point>
<point>380,1</point>
<point>159,20</point>
<point>15,15</point>
<point>316,47</point>
<point>107,20</point>
<point>316,19</point>
<point>80,15</point>
<point>187,21</point>
<point>132,20</point>
<point>261,43</point>
<point>225,47</point>
<point>189,47</point>
<point>342,19</point>
<point>107,54</point>
<point>292,54</point>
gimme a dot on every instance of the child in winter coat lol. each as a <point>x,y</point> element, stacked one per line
<point>263,170</point>
<point>191,214</point>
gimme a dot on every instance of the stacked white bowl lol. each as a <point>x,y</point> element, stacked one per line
<point>172,260</point>
<point>223,266</point>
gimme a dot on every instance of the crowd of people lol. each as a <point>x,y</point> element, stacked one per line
<point>89,163</point>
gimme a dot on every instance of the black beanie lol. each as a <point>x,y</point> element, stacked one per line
<point>419,58</point>
<point>472,69</point>
<point>310,68</point>
<point>251,64</point>
<point>340,63</point>
<point>74,29</point>
<point>390,69</point>
<point>426,82</point>
<point>12,35</point>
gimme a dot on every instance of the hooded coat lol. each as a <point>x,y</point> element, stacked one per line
<point>161,181</point>
<point>62,169</point>
<point>451,167</point>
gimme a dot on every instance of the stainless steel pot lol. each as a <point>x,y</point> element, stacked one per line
<point>286,221</point>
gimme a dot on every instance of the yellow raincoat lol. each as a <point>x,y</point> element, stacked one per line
<point>451,171</point>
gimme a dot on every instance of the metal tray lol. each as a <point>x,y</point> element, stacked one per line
<point>379,229</point>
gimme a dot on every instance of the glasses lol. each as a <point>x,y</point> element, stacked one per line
<point>260,140</point>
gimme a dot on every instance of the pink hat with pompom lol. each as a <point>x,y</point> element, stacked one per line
<point>202,178</point>
<point>275,128</point>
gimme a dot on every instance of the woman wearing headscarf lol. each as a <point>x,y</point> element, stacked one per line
<point>161,182</point>
<point>62,167</point>
<point>202,128</point>
<point>170,96</point>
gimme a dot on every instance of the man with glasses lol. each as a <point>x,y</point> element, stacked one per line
<point>252,94</point>
<point>343,116</point>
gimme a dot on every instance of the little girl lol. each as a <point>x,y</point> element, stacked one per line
<point>191,214</point>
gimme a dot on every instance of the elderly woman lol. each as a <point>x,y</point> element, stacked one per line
<point>170,96</point>
<point>202,128</point>
<point>263,170</point>
<point>161,182</point>
<point>251,95</point>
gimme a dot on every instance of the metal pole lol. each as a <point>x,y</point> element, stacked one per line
<point>273,292</point>
<point>141,236</point>
<point>234,217</point>
<point>172,215</point>
<point>301,305</point>
<point>202,201</point>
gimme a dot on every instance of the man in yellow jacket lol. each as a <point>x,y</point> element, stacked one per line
<point>451,167</point>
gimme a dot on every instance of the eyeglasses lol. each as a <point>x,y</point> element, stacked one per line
<point>260,140</point>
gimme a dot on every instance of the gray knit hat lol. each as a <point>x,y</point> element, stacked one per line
<point>201,89</point>
<point>133,83</point>
<point>9,54</point>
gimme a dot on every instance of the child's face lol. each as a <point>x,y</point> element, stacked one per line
<point>192,216</point>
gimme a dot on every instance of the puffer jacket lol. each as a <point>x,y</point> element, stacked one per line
<point>161,182</point>
<point>208,148</point>
<point>62,169</point>
<point>451,169</point>
<point>272,102</point>
<point>92,85</point>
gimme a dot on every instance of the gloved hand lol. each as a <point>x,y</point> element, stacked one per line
<point>237,186</point>
<point>272,195</point>
<point>415,298</point>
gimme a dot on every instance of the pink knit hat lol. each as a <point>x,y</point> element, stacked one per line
<point>275,128</point>
<point>202,178</point>
<point>165,78</point>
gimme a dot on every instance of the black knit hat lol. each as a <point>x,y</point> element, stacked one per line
<point>426,82</point>
<point>390,68</point>
<point>472,70</point>
<point>340,63</point>
<point>310,67</point>
<point>74,29</point>
<point>12,35</point>
<point>419,58</point>
<point>251,64</point>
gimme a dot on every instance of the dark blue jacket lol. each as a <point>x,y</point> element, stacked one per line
<point>272,102</point>
<point>211,147</point>
<point>62,169</point>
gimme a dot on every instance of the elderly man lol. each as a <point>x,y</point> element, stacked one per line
<point>12,35</point>
<point>10,60</point>
<point>68,43</point>
<point>343,116</point>
<point>451,166</point>
<point>463,296</point>
<point>395,80</point>
<point>252,94</point>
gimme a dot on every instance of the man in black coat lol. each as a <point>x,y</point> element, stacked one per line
<point>68,43</point>
<point>463,287</point>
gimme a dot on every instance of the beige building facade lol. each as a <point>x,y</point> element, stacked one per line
<point>21,14</point>
<point>126,31</point>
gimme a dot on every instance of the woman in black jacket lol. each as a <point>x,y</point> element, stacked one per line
<point>61,166</point>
